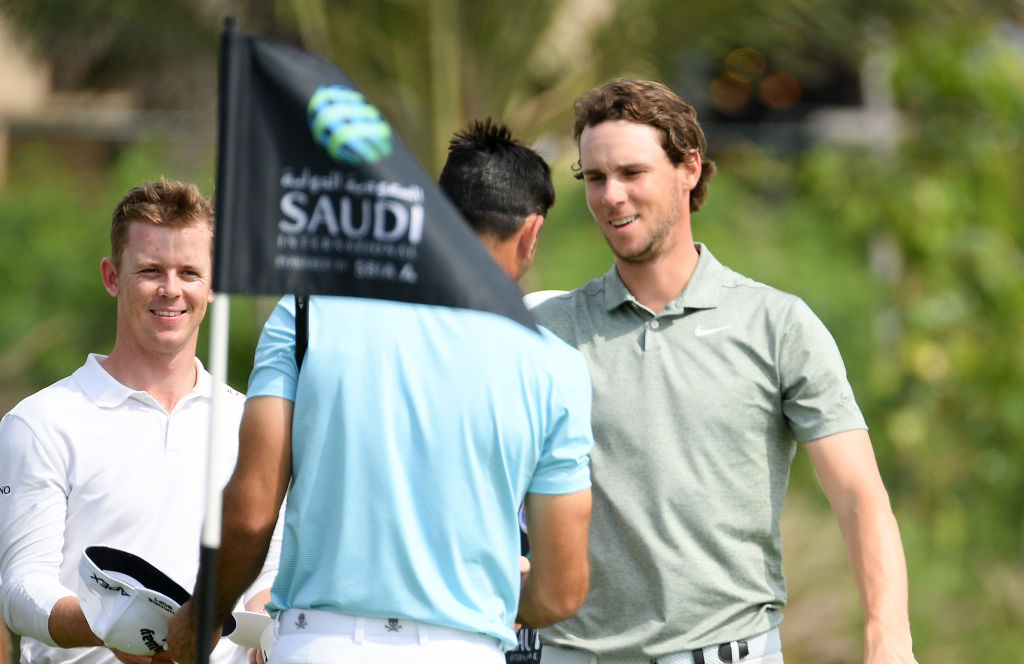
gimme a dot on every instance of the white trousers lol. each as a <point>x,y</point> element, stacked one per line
<point>322,637</point>
<point>774,658</point>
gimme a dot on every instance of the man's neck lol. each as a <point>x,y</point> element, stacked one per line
<point>503,252</point>
<point>166,379</point>
<point>656,283</point>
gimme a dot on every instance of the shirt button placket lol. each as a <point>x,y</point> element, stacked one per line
<point>651,335</point>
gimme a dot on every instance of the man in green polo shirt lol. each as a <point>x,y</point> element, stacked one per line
<point>704,383</point>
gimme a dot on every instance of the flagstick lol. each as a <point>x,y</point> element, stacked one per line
<point>210,540</point>
<point>209,545</point>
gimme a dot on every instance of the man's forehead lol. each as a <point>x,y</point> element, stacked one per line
<point>621,128</point>
<point>619,144</point>
<point>144,237</point>
<point>141,227</point>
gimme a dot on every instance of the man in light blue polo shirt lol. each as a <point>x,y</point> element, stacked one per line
<point>704,383</point>
<point>410,438</point>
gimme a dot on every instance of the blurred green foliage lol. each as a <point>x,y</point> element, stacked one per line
<point>911,252</point>
<point>56,226</point>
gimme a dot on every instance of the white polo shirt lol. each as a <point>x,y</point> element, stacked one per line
<point>90,461</point>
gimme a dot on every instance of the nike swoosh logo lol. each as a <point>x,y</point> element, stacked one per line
<point>702,331</point>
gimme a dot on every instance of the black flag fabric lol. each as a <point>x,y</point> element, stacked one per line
<point>316,194</point>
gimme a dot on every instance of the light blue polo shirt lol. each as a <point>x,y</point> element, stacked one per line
<point>418,431</point>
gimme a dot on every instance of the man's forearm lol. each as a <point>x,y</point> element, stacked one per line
<point>239,563</point>
<point>879,568</point>
<point>559,575</point>
<point>845,464</point>
<point>253,497</point>
<point>68,626</point>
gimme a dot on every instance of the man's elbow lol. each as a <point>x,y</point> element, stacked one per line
<point>248,516</point>
<point>248,530</point>
<point>554,602</point>
<point>568,603</point>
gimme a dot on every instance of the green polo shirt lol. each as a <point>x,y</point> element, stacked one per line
<point>697,413</point>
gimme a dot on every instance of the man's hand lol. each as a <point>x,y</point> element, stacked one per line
<point>130,659</point>
<point>182,631</point>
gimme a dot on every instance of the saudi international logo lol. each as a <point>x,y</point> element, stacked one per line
<point>347,126</point>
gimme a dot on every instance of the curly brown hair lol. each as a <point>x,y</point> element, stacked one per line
<point>650,103</point>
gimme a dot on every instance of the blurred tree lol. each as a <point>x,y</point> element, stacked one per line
<point>162,52</point>
<point>433,66</point>
<point>51,304</point>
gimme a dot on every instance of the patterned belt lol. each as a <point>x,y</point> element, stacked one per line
<point>725,653</point>
<point>378,630</point>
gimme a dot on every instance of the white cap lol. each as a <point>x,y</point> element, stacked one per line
<point>127,601</point>
<point>255,630</point>
<point>249,627</point>
<point>531,300</point>
<point>267,640</point>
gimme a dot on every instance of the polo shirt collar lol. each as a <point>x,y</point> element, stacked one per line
<point>700,292</point>
<point>105,391</point>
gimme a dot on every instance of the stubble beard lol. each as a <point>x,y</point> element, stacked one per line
<point>660,239</point>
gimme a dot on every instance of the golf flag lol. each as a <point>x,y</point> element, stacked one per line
<point>316,194</point>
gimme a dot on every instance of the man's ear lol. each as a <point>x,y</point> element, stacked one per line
<point>528,238</point>
<point>689,170</point>
<point>109,273</point>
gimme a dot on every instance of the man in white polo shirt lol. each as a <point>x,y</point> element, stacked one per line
<point>410,438</point>
<point>704,383</point>
<point>115,453</point>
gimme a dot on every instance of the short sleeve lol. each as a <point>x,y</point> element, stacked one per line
<point>817,398</point>
<point>275,372</point>
<point>565,462</point>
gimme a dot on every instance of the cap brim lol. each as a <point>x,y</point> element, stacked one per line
<point>249,627</point>
<point>143,577</point>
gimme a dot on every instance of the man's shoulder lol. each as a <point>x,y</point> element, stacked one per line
<point>740,286</point>
<point>558,349</point>
<point>749,299</point>
<point>235,399</point>
<point>207,382</point>
<point>230,392</point>
<point>561,310</point>
<point>52,401</point>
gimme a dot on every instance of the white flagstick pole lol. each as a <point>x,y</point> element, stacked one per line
<point>215,470</point>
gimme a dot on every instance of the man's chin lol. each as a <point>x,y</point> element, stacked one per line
<point>636,257</point>
<point>169,345</point>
